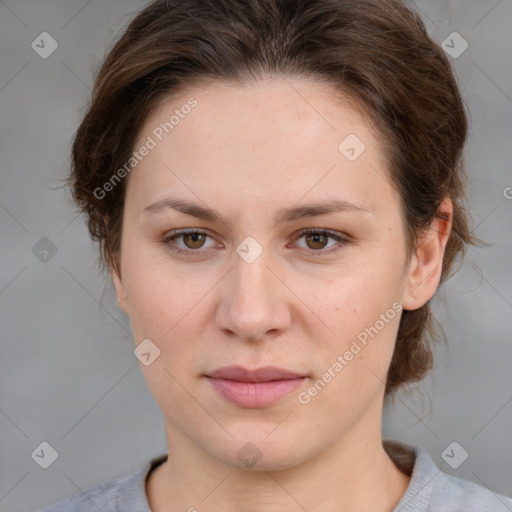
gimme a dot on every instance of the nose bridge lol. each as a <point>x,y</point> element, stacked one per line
<point>253,303</point>
<point>252,280</point>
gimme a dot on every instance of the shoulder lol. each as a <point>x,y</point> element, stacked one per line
<point>103,497</point>
<point>432,490</point>
<point>453,494</point>
<point>124,494</point>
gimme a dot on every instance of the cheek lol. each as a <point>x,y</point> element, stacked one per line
<point>172,307</point>
<point>357,297</point>
<point>363,310</point>
<point>165,307</point>
<point>159,294</point>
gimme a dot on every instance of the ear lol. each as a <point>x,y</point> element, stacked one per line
<point>426,263</point>
<point>119,288</point>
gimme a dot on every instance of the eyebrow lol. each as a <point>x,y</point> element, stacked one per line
<point>282,216</point>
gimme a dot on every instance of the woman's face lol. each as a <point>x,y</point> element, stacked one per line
<point>255,167</point>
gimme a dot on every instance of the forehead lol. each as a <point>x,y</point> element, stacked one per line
<point>227,113</point>
<point>268,140</point>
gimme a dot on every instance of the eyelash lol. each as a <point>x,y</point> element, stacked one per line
<point>169,237</point>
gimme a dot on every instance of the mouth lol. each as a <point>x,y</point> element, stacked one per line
<point>254,388</point>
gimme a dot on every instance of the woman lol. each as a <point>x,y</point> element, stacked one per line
<point>277,190</point>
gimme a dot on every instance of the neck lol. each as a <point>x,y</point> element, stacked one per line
<point>355,474</point>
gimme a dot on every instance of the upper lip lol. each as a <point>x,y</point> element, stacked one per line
<point>263,374</point>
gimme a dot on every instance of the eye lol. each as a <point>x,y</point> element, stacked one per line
<point>193,240</point>
<point>317,240</point>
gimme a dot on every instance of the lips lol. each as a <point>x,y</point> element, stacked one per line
<point>263,374</point>
<point>256,388</point>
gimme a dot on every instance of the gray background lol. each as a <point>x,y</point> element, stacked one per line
<point>68,375</point>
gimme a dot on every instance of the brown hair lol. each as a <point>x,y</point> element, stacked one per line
<point>378,52</point>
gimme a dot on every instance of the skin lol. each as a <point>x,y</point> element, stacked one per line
<point>248,152</point>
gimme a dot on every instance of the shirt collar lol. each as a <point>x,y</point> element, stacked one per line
<point>412,460</point>
<point>417,463</point>
<point>132,494</point>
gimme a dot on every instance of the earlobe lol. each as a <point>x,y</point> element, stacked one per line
<point>426,264</point>
<point>119,289</point>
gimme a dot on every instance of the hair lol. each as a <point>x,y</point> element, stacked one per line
<point>375,52</point>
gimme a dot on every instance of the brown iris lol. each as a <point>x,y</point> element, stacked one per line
<point>317,238</point>
<point>197,240</point>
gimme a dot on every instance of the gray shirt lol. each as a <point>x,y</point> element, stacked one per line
<point>430,490</point>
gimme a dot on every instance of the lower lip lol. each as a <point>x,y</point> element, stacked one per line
<point>255,394</point>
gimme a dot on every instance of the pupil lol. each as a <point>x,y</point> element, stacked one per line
<point>316,237</point>
<point>196,237</point>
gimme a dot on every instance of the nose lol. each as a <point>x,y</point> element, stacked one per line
<point>255,302</point>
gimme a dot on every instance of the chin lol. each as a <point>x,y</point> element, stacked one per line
<point>262,461</point>
<point>256,450</point>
